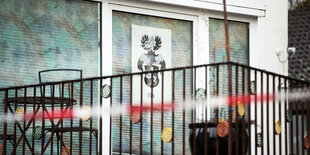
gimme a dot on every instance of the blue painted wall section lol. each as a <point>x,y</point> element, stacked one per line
<point>239,52</point>
<point>46,34</point>
<point>181,55</point>
<point>49,34</point>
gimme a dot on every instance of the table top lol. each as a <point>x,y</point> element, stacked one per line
<point>69,129</point>
<point>40,100</point>
<point>72,129</point>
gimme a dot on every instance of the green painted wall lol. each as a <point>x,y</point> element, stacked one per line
<point>48,34</point>
<point>181,55</point>
<point>239,52</point>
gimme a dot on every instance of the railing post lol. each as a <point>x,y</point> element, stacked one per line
<point>291,124</point>
<point>249,111</point>
<point>121,116</point>
<point>80,119</point>
<point>267,112</point>
<point>131,112</point>
<point>236,110</point>
<point>229,109</point>
<point>173,99</point>
<point>91,118</point>
<point>280,115</point>
<point>262,109</point>
<point>206,111</point>
<point>285,116</point>
<point>255,110</point>
<point>5,121</point>
<point>302,121</point>
<point>183,119</point>
<point>194,115</point>
<point>162,110</point>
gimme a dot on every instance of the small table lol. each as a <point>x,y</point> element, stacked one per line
<point>37,103</point>
<point>48,101</point>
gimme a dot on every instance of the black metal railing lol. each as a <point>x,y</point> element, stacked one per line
<point>170,111</point>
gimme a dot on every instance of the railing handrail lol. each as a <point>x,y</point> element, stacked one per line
<point>156,71</point>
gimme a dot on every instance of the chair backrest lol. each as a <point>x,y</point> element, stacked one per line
<point>53,75</point>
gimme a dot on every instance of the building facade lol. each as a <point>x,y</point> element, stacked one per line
<point>111,37</point>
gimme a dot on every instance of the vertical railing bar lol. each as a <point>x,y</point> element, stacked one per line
<point>152,83</point>
<point>255,104</point>
<point>243,119</point>
<point>62,111</point>
<point>285,115</point>
<point>291,123</point>
<point>183,132</point>
<point>5,122</point>
<point>230,108</point>
<point>34,122</point>
<point>130,122</point>
<point>308,118</point>
<point>110,134</point>
<point>52,114</point>
<point>173,96</point>
<point>302,122</point>
<point>249,109</point>
<point>15,104</point>
<point>273,115</point>
<point>268,143</point>
<point>296,114</point>
<point>217,110</point>
<point>141,120</point>
<point>194,115</point>
<point>206,113</point>
<point>262,110</point>
<point>162,111</point>
<point>121,117</point>
<point>81,124</point>
<point>71,118</point>
<point>100,100</point>
<point>280,136</point>
<point>236,111</point>
<point>43,121</point>
<point>24,122</point>
<point>91,118</point>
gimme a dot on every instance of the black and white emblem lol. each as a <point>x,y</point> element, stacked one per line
<point>151,61</point>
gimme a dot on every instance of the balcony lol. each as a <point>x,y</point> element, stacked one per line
<point>220,108</point>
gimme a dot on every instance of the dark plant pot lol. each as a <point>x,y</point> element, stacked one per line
<point>212,134</point>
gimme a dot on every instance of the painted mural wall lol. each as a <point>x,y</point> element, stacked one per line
<point>37,35</point>
<point>46,34</point>
<point>239,52</point>
<point>142,43</point>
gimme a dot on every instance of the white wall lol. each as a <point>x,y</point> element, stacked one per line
<point>272,34</point>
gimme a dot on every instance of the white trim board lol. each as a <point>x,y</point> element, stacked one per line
<point>250,9</point>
